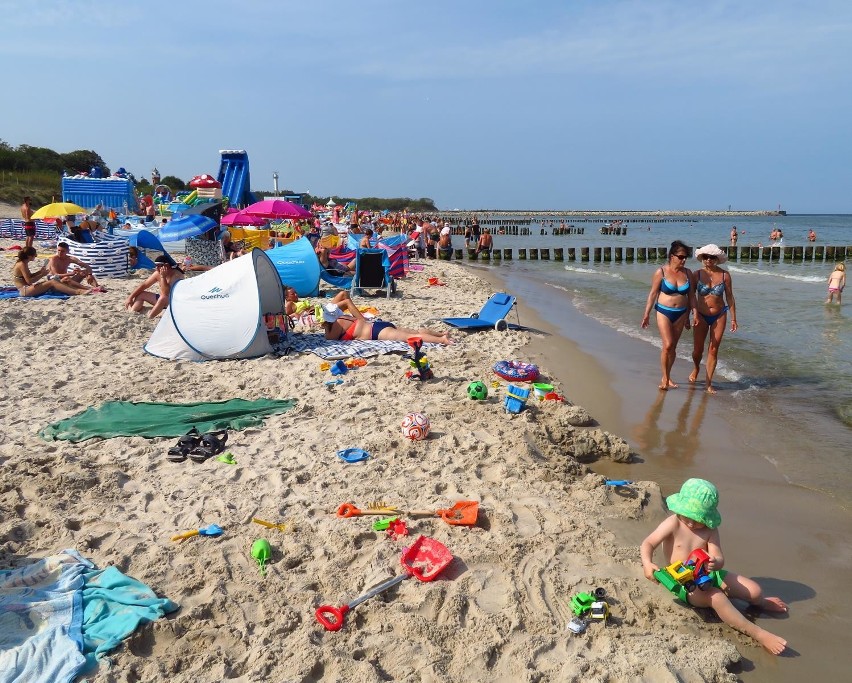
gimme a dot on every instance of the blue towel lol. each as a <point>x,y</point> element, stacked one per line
<point>56,610</point>
<point>14,294</point>
<point>41,616</point>
<point>114,606</point>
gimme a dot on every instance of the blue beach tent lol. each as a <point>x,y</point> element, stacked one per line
<point>145,240</point>
<point>298,266</point>
<point>186,227</point>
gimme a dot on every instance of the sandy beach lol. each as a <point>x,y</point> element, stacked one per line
<point>499,611</point>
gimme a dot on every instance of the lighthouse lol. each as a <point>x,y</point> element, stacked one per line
<point>155,177</point>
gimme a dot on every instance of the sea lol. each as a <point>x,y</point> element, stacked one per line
<point>776,438</point>
<point>788,366</point>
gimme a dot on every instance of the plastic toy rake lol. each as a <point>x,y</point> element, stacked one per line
<point>424,560</point>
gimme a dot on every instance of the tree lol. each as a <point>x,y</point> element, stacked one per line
<point>41,158</point>
<point>174,183</point>
<point>82,160</point>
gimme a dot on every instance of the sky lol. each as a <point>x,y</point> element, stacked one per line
<point>539,105</point>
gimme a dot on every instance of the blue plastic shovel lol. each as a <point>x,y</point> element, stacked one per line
<point>212,530</point>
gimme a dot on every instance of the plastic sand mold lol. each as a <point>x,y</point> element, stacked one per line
<point>353,455</point>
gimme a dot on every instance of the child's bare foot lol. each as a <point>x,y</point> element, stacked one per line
<point>774,644</point>
<point>773,604</point>
<point>710,389</point>
<point>693,377</point>
<point>672,385</point>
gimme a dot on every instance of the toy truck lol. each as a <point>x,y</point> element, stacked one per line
<point>691,574</point>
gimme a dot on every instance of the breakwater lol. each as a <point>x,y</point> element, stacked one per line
<point>598,254</point>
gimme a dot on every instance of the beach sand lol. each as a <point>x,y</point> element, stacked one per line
<point>498,613</point>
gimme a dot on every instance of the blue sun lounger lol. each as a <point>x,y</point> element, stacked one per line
<point>492,316</point>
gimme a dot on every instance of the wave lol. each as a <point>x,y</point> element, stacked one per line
<point>722,369</point>
<point>592,271</point>
<point>785,276</point>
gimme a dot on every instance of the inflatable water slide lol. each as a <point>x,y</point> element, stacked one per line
<point>235,179</point>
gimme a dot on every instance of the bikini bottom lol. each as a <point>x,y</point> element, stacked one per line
<point>710,319</point>
<point>378,326</point>
<point>673,314</point>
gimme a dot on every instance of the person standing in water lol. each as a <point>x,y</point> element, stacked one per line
<point>836,283</point>
<point>713,288</point>
<point>671,296</point>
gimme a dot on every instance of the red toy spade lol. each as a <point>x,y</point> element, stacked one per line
<point>424,560</point>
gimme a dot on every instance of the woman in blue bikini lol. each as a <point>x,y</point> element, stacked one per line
<point>713,289</point>
<point>671,296</point>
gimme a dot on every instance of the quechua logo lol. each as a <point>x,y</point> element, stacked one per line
<point>215,293</point>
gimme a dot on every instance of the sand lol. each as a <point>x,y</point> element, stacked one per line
<point>498,613</point>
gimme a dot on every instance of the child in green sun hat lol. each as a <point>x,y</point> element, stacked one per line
<point>693,525</point>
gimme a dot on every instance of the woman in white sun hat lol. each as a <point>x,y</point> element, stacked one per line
<point>714,301</point>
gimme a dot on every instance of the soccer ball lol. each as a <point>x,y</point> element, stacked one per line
<point>415,426</point>
<point>477,391</point>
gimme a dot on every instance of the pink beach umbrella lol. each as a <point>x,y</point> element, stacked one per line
<point>242,218</point>
<point>277,208</point>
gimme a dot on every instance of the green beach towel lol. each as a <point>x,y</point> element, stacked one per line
<point>123,418</point>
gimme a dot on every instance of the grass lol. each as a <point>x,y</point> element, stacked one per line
<point>43,186</point>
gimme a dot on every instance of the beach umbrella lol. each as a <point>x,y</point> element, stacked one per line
<point>277,208</point>
<point>187,226</point>
<point>58,210</point>
<point>242,218</point>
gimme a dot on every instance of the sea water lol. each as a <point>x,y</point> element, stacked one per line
<point>787,371</point>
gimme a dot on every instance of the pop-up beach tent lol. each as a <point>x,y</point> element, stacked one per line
<point>297,265</point>
<point>221,313</point>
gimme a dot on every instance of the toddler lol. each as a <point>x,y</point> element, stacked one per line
<point>836,283</point>
<point>694,524</point>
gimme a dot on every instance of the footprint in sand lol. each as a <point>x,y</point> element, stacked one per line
<point>525,521</point>
<point>494,590</point>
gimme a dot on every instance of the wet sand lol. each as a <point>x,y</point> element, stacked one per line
<point>796,542</point>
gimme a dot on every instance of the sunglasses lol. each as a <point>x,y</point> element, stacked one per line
<point>707,257</point>
<point>682,257</point>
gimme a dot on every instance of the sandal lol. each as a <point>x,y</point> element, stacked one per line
<point>184,446</point>
<point>177,454</point>
<point>211,444</point>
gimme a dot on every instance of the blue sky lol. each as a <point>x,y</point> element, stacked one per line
<point>591,104</point>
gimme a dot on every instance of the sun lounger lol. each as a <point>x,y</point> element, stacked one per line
<point>492,315</point>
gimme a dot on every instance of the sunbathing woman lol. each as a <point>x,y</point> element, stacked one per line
<point>28,282</point>
<point>342,327</point>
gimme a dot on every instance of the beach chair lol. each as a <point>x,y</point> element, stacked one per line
<point>492,315</point>
<point>372,271</point>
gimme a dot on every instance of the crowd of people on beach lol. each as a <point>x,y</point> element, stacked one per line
<point>681,298</point>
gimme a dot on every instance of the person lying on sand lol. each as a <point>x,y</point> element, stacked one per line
<point>339,326</point>
<point>165,274</point>
<point>60,263</point>
<point>693,525</point>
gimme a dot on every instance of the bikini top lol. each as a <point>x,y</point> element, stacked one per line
<point>674,289</point>
<point>715,290</point>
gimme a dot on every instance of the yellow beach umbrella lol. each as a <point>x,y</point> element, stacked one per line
<point>58,210</point>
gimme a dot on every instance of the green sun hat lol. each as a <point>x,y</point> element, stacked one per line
<point>697,500</point>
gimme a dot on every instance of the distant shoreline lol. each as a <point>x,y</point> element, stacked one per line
<point>610,214</point>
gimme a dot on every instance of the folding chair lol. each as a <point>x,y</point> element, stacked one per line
<point>372,271</point>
